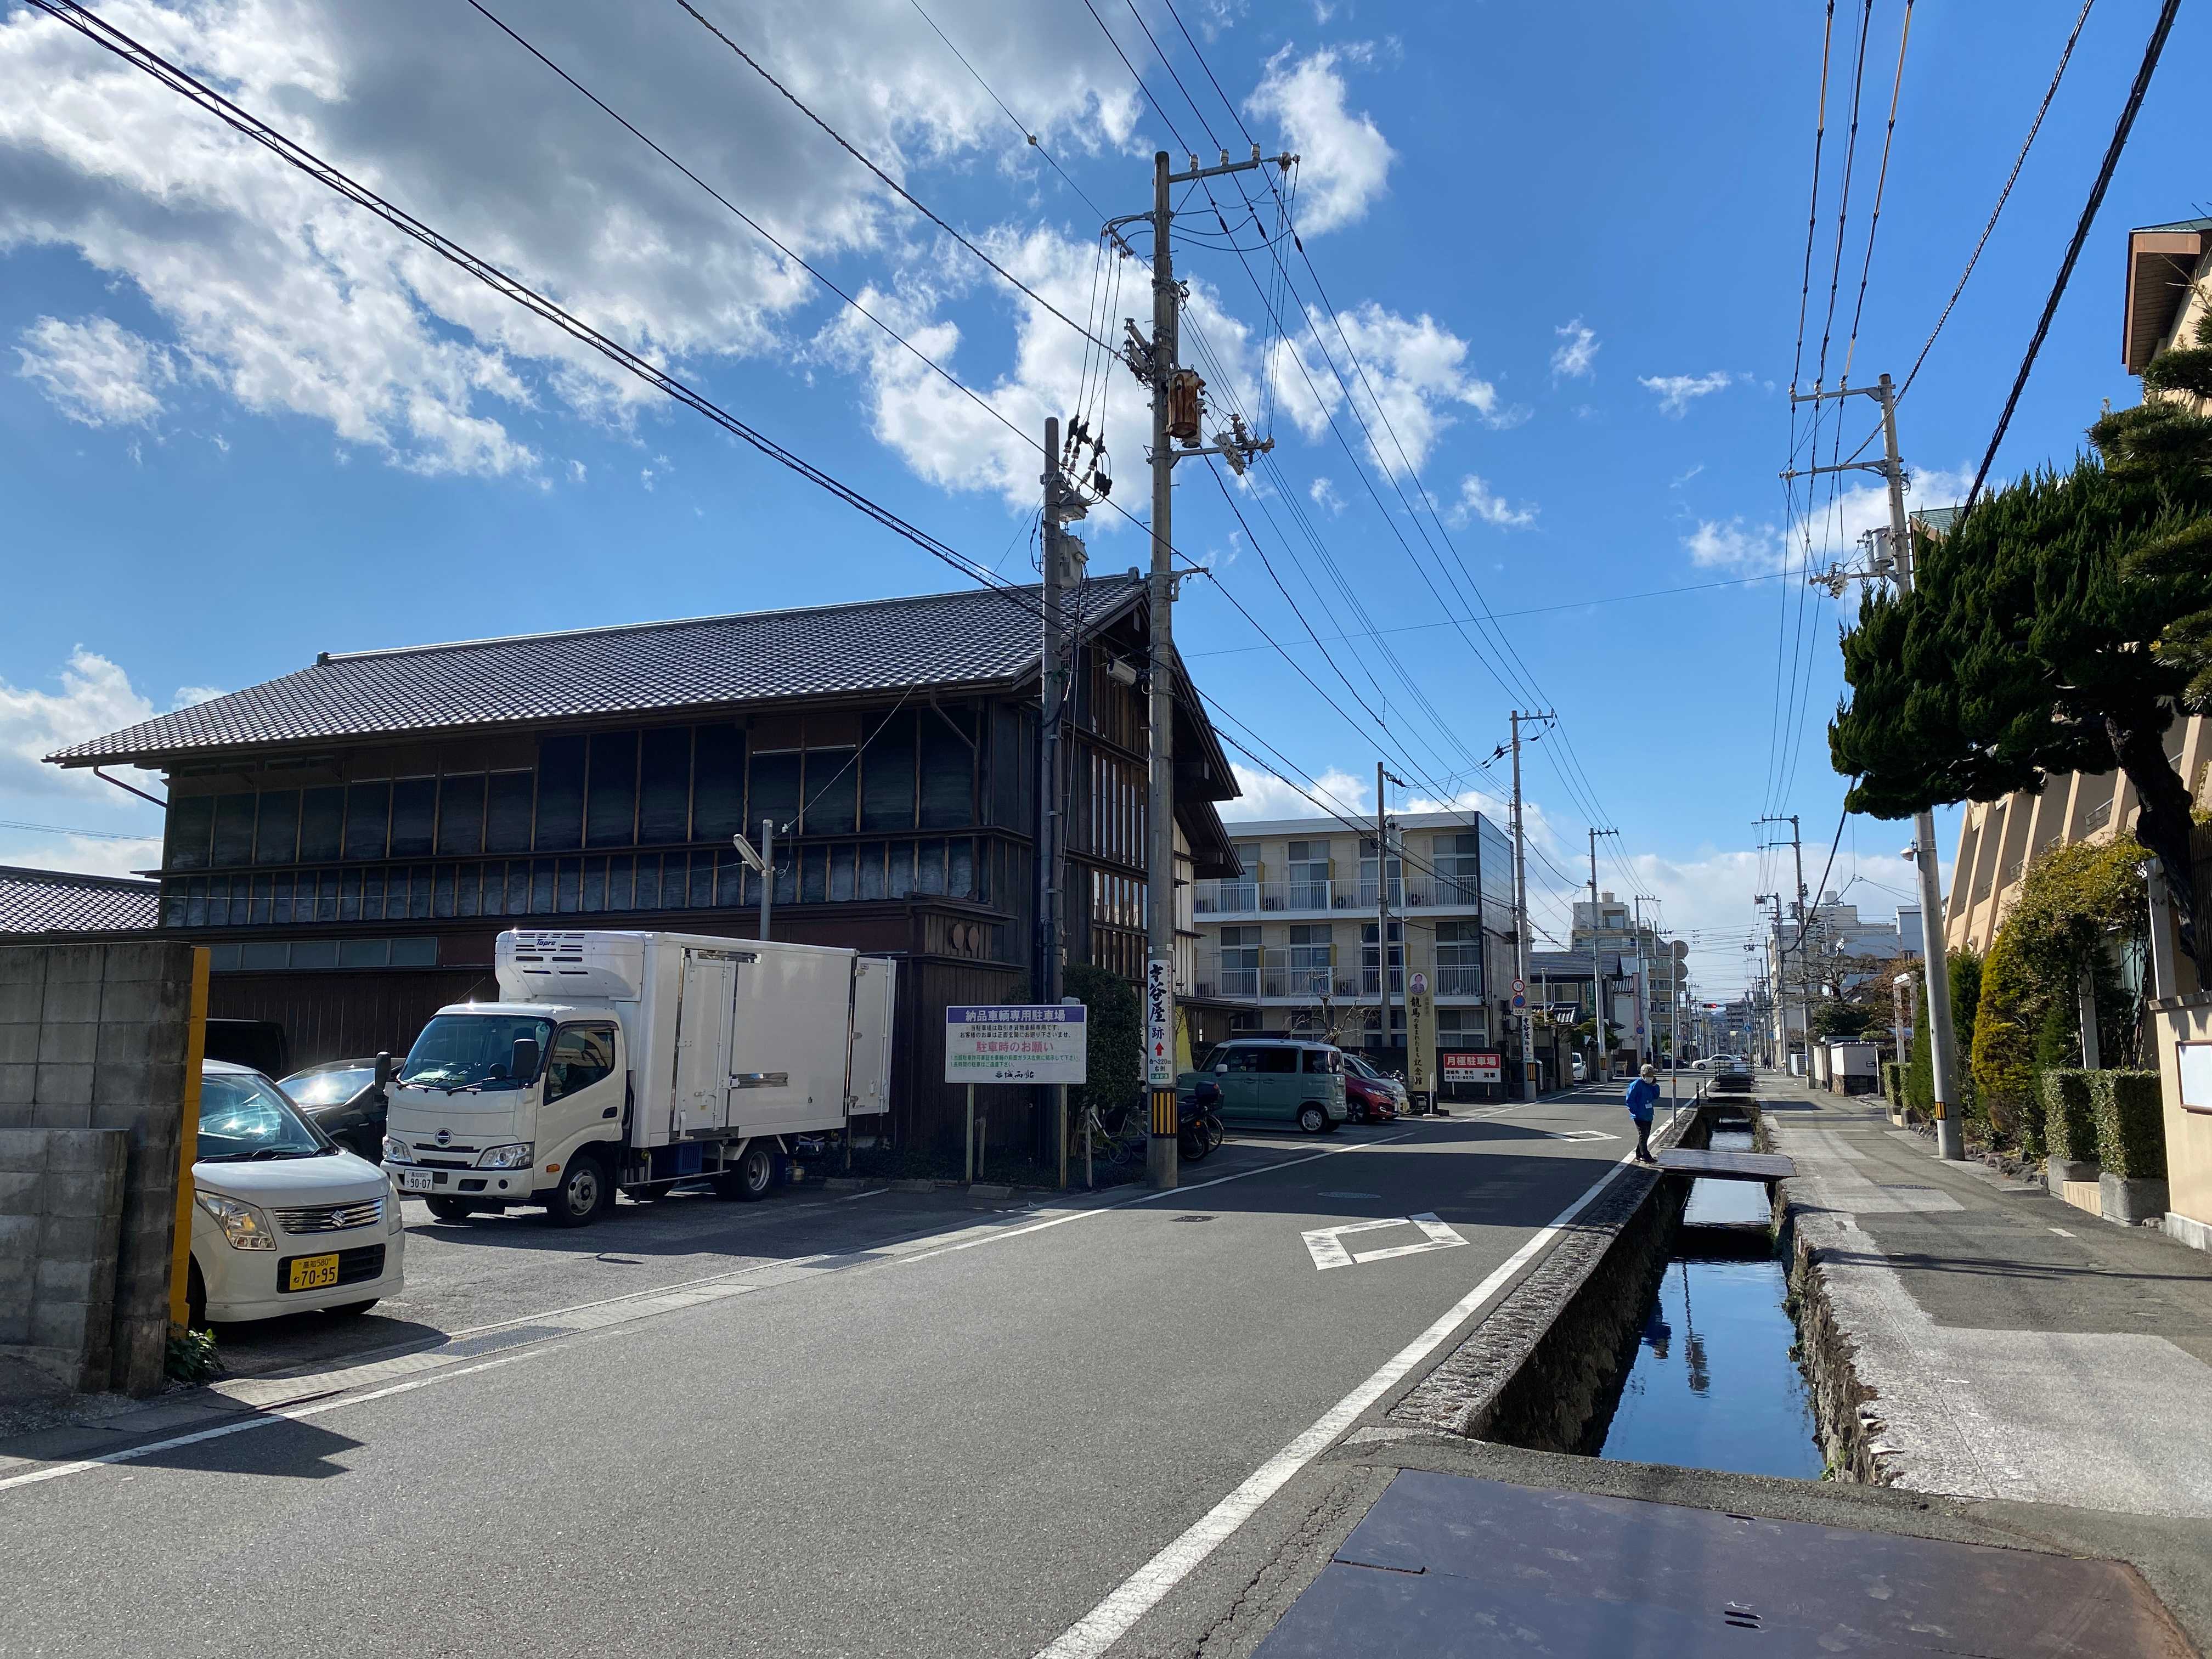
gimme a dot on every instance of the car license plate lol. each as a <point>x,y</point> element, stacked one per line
<point>311,1272</point>
<point>415,1181</point>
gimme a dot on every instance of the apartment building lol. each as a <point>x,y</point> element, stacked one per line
<point>1295,943</point>
<point>2169,287</point>
<point>1647,962</point>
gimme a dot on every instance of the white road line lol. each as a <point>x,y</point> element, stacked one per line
<point>1148,1197</point>
<point>290,1415</point>
<point>1143,1589</point>
<point>872,1192</point>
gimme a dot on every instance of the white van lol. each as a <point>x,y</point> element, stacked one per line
<point>284,1220</point>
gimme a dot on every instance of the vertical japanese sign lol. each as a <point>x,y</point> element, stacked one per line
<point>1420,1037</point>
<point>1159,1024</point>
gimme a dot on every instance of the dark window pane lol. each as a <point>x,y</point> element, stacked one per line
<point>1013,737</point>
<point>372,895</point>
<point>265,954</point>
<point>518,887</point>
<point>887,775</point>
<point>314,953</point>
<point>541,887</point>
<point>647,896</point>
<point>349,896</point>
<point>560,794</point>
<point>929,868</point>
<point>664,796</point>
<point>610,803</point>
<point>775,793</point>
<point>786,875</point>
<point>730,882</point>
<point>871,872</point>
<point>223,959</point>
<point>619,872</point>
<point>281,911</point>
<point>322,824</point>
<point>364,952</point>
<point>326,896</point>
<point>442,892</point>
<point>195,904</point>
<point>902,875</point>
<point>841,874</point>
<point>277,834</point>
<point>192,822</point>
<point>413,809</point>
<point>258,915</point>
<point>468,882</point>
<point>234,829</point>
<point>960,874</point>
<point>566,895</point>
<point>460,815</point>
<point>718,784</point>
<point>815,887</point>
<point>368,811</point>
<point>832,792</point>
<point>414,953</point>
<point>595,884</point>
<point>507,812</point>
<point>418,896</point>
<point>948,771</point>
<point>702,881</point>
<point>174,897</point>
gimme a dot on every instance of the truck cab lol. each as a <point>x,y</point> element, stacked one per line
<point>512,1103</point>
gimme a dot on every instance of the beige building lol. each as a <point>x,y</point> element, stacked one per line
<point>2169,287</point>
<point>1292,944</point>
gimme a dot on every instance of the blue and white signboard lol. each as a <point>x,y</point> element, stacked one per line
<point>1020,1042</point>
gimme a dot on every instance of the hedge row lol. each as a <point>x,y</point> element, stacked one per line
<point>1893,1083</point>
<point>2130,1124</point>
<point>2070,1122</point>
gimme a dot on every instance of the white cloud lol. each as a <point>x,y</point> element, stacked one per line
<point>96,372</point>
<point>1344,161</point>
<point>189,694</point>
<point>1323,491</point>
<point>95,697</point>
<point>1676,390</point>
<point>1416,375</point>
<point>1734,545</point>
<point>1478,501</point>
<point>1575,357</point>
<point>576,472</point>
<point>1266,796</point>
<point>291,301</point>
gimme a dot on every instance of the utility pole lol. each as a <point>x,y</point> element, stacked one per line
<point>1521,914</point>
<point>1062,561</point>
<point>1177,410</point>
<point>1895,563</point>
<point>1647,993</point>
<point>1797,915</point>
<point>1599,1053</point>
<point>1383,897</point>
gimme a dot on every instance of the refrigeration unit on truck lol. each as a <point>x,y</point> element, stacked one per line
<point>631,1062</point>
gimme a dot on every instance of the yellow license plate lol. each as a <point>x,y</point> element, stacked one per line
<point>311,1272</point>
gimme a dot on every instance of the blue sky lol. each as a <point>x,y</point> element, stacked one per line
<point>240,423</point>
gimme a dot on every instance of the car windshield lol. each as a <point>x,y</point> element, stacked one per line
<point>472,1051</point>
<point>1358,1068</point>
<point>244,1117</point>
<point>329,1088</point>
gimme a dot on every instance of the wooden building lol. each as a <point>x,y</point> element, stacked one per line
<point>349,839</point>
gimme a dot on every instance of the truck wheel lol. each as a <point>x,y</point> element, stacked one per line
<point>451,1209</point>
<point>752,1177</point>
<point>1312,1118</point>
<point>583,1195</point>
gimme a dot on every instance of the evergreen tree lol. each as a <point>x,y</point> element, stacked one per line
<point>2060,627</point>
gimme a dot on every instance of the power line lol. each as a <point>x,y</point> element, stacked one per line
<point>67,830</point>
<point>2151,52</point>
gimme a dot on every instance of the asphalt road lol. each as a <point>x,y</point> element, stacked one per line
<point>896,1428</point>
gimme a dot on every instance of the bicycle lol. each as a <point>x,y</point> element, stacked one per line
<point>1117,1137</point>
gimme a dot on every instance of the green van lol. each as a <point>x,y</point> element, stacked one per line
<point>1277,1080</point>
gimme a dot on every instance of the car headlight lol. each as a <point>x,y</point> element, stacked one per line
<point>515,1157</point>
<point>395,1150</point>
<point>246,1227</point>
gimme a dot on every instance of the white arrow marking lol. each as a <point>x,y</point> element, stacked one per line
<point>1325,1244</point>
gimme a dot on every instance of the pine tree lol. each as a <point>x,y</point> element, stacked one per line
<point>2060,627</point>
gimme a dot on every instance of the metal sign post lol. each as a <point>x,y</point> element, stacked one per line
<point>1014,1043</point>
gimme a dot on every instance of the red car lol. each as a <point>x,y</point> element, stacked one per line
<point>1371,1099</point>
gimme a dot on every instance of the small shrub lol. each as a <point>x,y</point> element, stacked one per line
<point>1893,1083</point>
<point>2130,1124</point>
<point>2069,1119</point>
<point>191,1358</point>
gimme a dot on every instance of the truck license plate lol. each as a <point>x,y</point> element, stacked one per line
<point>311,1272</point>
<point>415,1181</point>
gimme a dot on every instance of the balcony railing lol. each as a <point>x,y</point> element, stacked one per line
<point>1457,981</point>
<point>2098,816</point>
<point>1371,980</point>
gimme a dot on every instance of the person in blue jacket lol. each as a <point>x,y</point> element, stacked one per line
<point>1643,1094</point>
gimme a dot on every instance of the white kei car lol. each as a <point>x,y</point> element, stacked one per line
<point>285,1220</point>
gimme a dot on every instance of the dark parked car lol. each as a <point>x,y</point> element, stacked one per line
<point>347,1099</point>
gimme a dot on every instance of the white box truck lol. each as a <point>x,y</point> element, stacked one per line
<point>630,1061</point>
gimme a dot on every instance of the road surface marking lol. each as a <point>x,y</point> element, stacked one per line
<point>1327,1247</point>
<point>1143,1589</point>
<point>289,1415</point>
<point>1583,1134</point>
<point>2061,1232</point>
<point>1348,1195</point>
<point>872,1192</point>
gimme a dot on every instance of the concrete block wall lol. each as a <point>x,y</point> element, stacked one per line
<point>61,1226</point>
<point>94,1036</point>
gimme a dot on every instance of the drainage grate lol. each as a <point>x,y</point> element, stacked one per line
<point>1197,1218</point>
<point>1736,1618</point>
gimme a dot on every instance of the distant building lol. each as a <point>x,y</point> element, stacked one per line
<point>1649,960</point>
<point>47,906</point>
<point>349,839</point>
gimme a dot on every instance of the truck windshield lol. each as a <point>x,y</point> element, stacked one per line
<point>471,1051</point>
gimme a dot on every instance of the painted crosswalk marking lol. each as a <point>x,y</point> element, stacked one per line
<point>1326,1245</point>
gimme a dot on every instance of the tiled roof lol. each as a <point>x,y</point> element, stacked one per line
<point>58,902</point>
<point>976,637</point>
